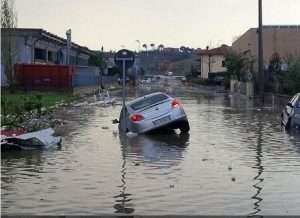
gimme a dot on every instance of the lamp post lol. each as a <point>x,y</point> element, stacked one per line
<point>139,62</point>
<point>68,33</point>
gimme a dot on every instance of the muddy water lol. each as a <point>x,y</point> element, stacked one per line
<point>236,159</point>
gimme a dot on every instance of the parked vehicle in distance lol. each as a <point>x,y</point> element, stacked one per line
<point>290,116</point>
<point>120,80</point>
<point>219,80</point>
<point>152,112</point>
<point>168,73</point>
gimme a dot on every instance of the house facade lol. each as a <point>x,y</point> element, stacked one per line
<point>37,46</point>
<point>283,40</point>
<point>213,61</point>
<point>32,46</point>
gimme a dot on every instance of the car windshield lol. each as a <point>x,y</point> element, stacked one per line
<point>148,101</point>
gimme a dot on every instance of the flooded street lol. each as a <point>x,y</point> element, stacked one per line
<point>236,159</point>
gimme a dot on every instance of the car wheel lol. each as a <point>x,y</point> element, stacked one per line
<point>184,127</point>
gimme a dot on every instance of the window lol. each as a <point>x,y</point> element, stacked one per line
<point>223,63</point>
<point>40,54</point>
<point>148,101</point>
<point>52,57</point>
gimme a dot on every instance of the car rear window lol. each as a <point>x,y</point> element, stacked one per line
<point>148,101</point>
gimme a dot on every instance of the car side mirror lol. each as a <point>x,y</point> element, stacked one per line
<point>290,105</point>
<point>115,121</point>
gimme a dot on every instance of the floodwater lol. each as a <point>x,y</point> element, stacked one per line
<point>236,160</point>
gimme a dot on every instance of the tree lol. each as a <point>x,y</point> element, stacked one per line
<point>274,75</point>
<point>291,78</point>
<point>98,60</point>
<point>182,48</point>
<point>160,47</point>
<point>8,21</point>
<point>8,14</point>
<point>152,45</point>
<point>238,63</point>
<point>145,46</point>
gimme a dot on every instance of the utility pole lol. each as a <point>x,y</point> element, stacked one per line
<point>68,33</point>
<point>260,53</point>
<point>139,62</point>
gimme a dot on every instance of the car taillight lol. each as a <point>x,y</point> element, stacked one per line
<point>137,117</point>
<point>175,103</point>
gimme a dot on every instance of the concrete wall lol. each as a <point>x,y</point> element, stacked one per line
<point>215,65</point>
<point>244,88</point>
<point>284,41</point>
<point>277,100</point>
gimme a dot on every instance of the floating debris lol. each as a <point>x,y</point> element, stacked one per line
<point>33,140</point>
<point>81,104</point>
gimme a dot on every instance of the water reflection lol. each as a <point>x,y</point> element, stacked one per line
<point>163,150</point>
<point>27,163</point>
<point>258,165</point>
<point>123,199</point>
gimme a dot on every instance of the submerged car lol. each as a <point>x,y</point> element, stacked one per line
<point>290,116</point>
<point>154,112</point>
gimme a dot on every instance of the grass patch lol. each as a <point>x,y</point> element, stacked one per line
<point>45,99</point>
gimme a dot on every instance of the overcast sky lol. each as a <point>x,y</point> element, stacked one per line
<point>173,23</point>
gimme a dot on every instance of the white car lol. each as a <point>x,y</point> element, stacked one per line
<point>154,112</point>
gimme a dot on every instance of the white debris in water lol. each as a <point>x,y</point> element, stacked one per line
<point>81,104</point>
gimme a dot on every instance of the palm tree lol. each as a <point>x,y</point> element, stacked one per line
<point>152,46</point>
<point>160,47</point>
<point>145,46</point>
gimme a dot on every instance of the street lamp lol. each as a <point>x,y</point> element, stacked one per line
<point>68,33</point>
<point>260,52</point>
<point>139,62</point>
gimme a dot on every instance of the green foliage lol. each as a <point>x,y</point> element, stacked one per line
<point>21,109</point>
<point>274,74</point>
<point>8,14</point>
<point>98,60</point>
<point>14,112</point>
<point>8,21</point>
<point>142,72</point>
<point>239,63</point>
<point>283,81</point>
<point>291,79</point>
